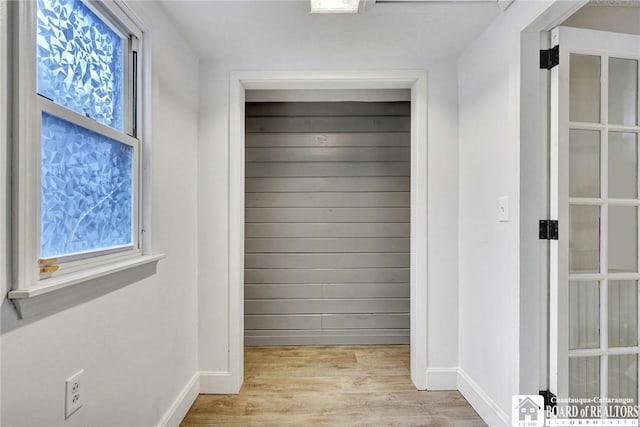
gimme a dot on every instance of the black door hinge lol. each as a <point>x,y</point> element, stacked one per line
<point>549,58</point>
<point>549,399</point>
<point>548,229</point>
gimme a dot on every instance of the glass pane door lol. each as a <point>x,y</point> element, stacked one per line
<point>594,179</point>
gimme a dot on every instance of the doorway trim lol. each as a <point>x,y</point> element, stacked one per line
<point>416,81</point>
<point>533,359</point>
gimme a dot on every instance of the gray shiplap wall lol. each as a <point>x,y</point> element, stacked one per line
<point>327,223</point>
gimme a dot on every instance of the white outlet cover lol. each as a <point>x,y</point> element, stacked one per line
<point>74,393</point>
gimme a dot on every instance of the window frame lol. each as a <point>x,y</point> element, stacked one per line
<point>65,262</point>
<point>29,280</point>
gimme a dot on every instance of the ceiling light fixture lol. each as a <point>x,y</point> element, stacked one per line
<point>334,6</point>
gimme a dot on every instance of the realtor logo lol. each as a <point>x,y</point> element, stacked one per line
<point>527,411</point>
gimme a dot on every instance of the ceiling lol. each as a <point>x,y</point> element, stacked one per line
<point>283,31</point>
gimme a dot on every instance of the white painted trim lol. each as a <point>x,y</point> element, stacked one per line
<point>179,408</point>
<point>5,37</point>
<point>88,286</point>
<point>361,95</point>
<point>442,378</point>
<point>146,90</point>
<point>488,410</point>
<point>218,382</point>
<point>25,156</point>
<point>47,106</point>
<point>533,170</point>
<point>419,259</point>
<point>236,234</point>
<point>4,149</point>
<point>416,80</point>
<point>72,279</point>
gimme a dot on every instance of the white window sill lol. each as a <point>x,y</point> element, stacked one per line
<point>55,292</point>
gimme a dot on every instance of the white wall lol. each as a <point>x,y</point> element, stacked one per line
<point>488,149</point>
<point>213,170</point>
<point>137,344</point>
<point>498,303</point>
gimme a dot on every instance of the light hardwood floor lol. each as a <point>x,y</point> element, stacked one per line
<point>331,386</point>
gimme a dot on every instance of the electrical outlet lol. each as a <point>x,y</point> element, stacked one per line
<point>74,392</point>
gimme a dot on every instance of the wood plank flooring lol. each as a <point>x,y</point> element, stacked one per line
<point>331,386</point>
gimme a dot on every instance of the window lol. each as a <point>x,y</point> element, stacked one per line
<point>86,190</point>
<point>78,145</point>
<point>87,178</point>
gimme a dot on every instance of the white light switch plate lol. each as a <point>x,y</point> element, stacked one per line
<point>503,209</point>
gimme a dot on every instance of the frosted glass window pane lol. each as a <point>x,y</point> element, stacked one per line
<point>584,377</point>
<point>584,314</point>
<point>584,239</point>
<point>623,91</point>
<point>623,165</point>
<point>623,239</point>
<point>623,377</point>
<point>584,163</point>
<point>623,313</point>
<point>86,190</point>
<point>79,61</point>
<point>584,88</point>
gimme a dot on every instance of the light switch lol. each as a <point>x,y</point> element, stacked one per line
<point>503,209</point>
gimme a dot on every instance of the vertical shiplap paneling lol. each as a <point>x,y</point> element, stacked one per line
<point>327,223</point>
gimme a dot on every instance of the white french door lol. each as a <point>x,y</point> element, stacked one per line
<point>594,264</point>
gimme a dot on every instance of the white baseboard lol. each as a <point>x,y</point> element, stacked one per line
<point>178,409</point>
<point>442,378</point>
<point>218,382</point>
<point>488,410</point>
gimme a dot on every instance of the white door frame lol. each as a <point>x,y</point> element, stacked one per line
<point>416,81</point>
<point>534,196</point>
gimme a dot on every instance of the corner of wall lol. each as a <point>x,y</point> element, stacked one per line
<point>486,407</point>
<point>180,406</point>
